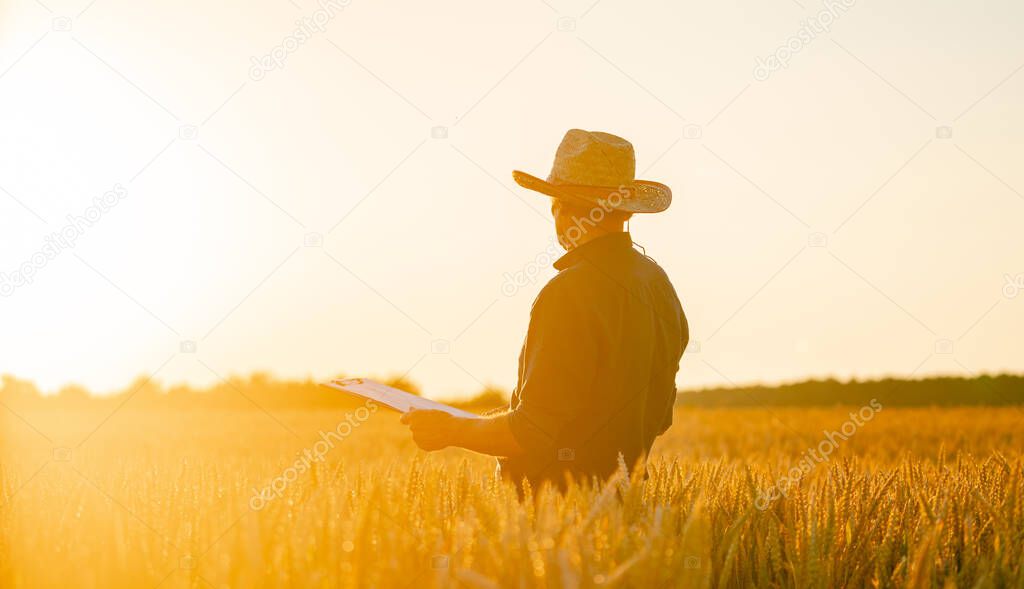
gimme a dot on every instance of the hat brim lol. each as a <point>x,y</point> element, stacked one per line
<point>638,196</point>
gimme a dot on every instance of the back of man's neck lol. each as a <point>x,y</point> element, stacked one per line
<point>592,235</point>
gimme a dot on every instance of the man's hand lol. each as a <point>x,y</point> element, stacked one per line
<point>433,430</point>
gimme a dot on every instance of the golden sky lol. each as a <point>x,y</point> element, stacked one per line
<point>313,188</point>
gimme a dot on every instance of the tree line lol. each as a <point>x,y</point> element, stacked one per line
<point>263,390</point>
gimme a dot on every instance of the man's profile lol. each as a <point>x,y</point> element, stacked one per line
<point>597,369</point>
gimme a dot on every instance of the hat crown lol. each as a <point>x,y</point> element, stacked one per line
<point>593,158</point>
<point>594,168</point>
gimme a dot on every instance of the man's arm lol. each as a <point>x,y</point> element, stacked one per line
<point>434,430</point>
<point>560,362</point>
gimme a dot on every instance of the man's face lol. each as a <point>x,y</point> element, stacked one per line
<point>563,221</point>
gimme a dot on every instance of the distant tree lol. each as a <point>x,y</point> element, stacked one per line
<point>260,379</point>
<point>180,393</point>
<point>73,393</point>
<point>16,391</point>
<point>144,389</point>
<point>403,383</point>
<point>261,390</point>
<point>492,397</point>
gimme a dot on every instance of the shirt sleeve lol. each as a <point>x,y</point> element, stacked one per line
<point>561,351</point>
<point>684,340</point>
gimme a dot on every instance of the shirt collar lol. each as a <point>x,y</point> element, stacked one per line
<point>598,248</point>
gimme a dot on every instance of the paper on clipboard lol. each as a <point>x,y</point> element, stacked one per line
<point>396,399</point>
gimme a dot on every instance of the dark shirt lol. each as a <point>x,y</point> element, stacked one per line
<point>597,370</point>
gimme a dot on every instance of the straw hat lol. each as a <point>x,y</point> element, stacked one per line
<point>591,168</point>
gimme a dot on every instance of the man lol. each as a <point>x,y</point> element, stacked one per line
<point>597,370</point>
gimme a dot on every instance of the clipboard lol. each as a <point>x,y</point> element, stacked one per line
<point>391,397</point>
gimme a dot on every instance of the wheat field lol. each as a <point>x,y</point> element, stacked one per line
<point>207,498</point>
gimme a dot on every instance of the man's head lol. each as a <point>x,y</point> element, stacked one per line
<point>593,187</point>
<point>577,223</point>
